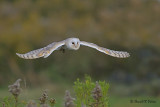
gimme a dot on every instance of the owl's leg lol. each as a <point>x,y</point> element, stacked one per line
<point>63,50</point>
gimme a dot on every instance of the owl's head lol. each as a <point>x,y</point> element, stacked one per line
<point>73,43</point>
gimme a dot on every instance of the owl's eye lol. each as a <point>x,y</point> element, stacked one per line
<point>72,42</point>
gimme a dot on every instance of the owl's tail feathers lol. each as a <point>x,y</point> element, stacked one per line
<point>28,56</point>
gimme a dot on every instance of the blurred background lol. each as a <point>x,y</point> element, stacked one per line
<point>127,25</point>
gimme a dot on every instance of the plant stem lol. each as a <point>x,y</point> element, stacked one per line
<point>3,105</point>
<point>16,99</point>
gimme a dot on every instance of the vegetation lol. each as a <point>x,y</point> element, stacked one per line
<point>91,94</point>
<point>87,94</point>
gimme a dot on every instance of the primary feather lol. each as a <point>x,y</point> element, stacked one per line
<point>32,54</point>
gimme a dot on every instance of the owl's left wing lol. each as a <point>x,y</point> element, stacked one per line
<point>118,54</point>
<point>42,52</point>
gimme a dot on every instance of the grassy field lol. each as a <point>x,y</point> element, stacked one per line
<point>57,91</point>
<point>89,93</point>
<point>58,94</point>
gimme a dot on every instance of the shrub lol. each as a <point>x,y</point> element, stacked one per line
<point>92,94</point>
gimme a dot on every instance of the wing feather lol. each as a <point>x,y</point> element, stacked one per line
<point>118,54</point>
<point>42,52</point>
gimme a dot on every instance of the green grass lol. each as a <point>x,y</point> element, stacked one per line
<point>82,90</point>
<point>26,95</point>
<point>114,101</point>
<point>86,92</point>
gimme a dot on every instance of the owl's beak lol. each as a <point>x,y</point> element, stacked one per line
<point>76,46</point>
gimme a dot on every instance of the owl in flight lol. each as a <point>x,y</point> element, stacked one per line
<point>70,44</point>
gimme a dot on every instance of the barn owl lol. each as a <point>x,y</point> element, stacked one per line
<point>70,44</point>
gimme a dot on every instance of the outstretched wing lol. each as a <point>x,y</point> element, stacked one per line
<point>118,54</point>
<point>42,52</point>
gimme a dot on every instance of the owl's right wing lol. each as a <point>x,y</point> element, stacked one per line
<point>118,54</point>
<point>42,52</point>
